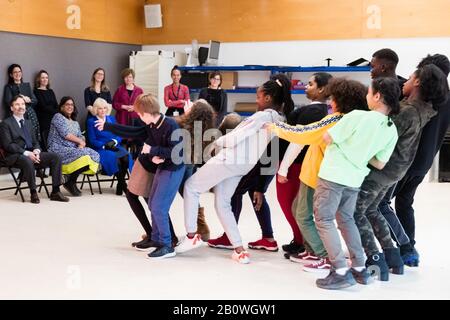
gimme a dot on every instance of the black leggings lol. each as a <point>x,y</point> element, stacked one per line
<point>123,167</point>
<point>139,211</point>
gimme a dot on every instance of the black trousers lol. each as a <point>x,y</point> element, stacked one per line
<point>404,198</point>
<point>48,159</point>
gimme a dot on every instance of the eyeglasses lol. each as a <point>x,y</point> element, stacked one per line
<point>216,79</point>
<point>69,104</point>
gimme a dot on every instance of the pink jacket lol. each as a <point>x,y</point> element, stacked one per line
<point>176,98</point>
<point>121,97</point>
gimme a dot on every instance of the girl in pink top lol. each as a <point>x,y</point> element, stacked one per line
<point>176,94</point>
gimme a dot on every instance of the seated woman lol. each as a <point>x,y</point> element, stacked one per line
<point>113,157</point>
<point>66,140</point>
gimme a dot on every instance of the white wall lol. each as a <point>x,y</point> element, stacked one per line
<point>314,53</point>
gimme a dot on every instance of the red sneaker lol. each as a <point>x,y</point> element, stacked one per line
<point>222,242</point>
<point>319,266</point>
<point>264,244</point>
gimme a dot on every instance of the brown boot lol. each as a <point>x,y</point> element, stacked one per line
<point>202,227</point>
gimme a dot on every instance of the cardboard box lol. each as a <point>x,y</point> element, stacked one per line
<point>245,107</point>
<point>229,80</point>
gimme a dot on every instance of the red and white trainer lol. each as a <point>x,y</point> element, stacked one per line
<point>264,244</point>
<point>189,243</point>
<point>222,242</point>
<point>319,266</point>
<point>242,257</point>
<point>304,257</point>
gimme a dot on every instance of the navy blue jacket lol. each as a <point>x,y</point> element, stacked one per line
<point>159,137</point>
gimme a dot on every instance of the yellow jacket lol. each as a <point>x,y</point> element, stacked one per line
<point>312,135</point>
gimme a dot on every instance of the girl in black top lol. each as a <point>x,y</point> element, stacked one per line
<point>216,96</point>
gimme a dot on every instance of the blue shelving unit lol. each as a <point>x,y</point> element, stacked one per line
<point>275,69</point>
<point>246,90</point>
<point>272,70</point>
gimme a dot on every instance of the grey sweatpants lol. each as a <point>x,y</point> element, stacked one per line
<point>224,178</point>
<point>334,201</point>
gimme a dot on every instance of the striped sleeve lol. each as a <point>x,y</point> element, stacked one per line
<point>305,134</point>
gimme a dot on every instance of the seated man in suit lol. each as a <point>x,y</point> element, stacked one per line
<point>22,149</point>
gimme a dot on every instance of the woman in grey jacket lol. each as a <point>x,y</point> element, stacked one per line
<point>15,87</point>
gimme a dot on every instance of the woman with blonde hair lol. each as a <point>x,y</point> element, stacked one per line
<point>114,158</point>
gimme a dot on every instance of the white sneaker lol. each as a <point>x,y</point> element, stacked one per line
<point>243,257</point>
<point>188,244</point>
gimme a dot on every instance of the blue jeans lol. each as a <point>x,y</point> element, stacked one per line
<point>399,234</point>
<point>248,184</point>
<point>164,189</point>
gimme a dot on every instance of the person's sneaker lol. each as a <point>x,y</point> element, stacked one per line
<point>335,281</point>
<point>146,245</point>
<point>222,243</point>
<point>242,257</point>
<point>162,253</point>
<point>188,244</point>
<point>362,277</point>
<point>411,259</point>
<point>264,244</point>
<point>304,257</point>
<point>293,247</point>
<point>319,266</point>
<point>287,255</point>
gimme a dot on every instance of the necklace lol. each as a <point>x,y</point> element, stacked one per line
<point>178,92</point>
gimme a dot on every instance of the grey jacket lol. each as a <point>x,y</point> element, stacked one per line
<point>413,116</point>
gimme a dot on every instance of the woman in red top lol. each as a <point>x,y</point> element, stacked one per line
<point>176,94</point>
<point>124,98</point>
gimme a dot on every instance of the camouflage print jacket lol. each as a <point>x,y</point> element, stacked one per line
<point>413,116</point>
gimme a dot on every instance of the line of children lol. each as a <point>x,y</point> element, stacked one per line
<point>430,143</point>
<point>346,96</point>
<point>425,85</point>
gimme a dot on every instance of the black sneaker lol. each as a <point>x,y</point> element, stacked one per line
<point>293,247</point>
<point>162,253</point>
<point>362,277</point>
<point>146,245</point>
<point>335,281</point>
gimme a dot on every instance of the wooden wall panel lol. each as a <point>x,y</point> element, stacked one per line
<point>102,20</point>
<point>411,18</point>
<point>282,20</point>
<point>230,20</point>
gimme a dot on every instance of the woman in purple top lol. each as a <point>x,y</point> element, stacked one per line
<point>124,98</point>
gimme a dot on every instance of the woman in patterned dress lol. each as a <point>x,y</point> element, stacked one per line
<point>65,138</point>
